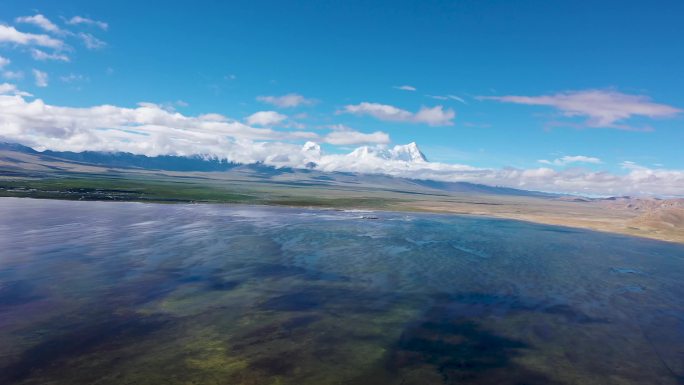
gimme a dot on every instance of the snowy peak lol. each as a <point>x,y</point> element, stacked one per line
<point>405,153</point>
<point>365,152</point>
<point>311,150</point>
<point>408,153</point>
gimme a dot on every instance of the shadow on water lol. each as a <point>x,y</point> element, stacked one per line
<point>485,304</point>
<point>448,343</point>
<point>278,364</point>
<point>277,270</point>
<point>331,300</point>
<point>110,332</point>
<point>17,293</point>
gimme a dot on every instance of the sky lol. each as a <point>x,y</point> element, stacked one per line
<point>567,96</point>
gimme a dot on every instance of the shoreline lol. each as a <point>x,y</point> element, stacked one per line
<point>591,224</point>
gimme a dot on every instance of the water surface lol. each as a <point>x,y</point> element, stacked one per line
<point>131,293</point>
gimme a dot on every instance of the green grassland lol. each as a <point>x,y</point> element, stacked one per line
<point>163,189</point>
<point>300,189</point>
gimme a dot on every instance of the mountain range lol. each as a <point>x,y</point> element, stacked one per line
<point>312,173</point>
<point>25,172</point>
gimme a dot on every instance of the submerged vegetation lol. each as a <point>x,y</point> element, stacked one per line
<point>216,294</point>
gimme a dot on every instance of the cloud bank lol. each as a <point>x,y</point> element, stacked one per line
<point>152,130</point>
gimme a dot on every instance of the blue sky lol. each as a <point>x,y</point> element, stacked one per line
<point>599,83</point>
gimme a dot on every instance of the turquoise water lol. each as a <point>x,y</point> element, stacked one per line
<point>130,293</point>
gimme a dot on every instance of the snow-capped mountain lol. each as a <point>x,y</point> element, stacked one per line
<point>405,153</point>
<point>397,160</point>
<point>367,158</point>
<point>311,149</point>
<point>408,153</point>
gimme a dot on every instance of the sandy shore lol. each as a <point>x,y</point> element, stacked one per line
<point>665,224</point>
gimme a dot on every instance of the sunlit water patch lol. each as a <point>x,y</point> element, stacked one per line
<point>130,293</point>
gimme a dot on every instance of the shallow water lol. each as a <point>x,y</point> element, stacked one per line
<point>130,293</point>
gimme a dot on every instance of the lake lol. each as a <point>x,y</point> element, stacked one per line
<point>132,293</point>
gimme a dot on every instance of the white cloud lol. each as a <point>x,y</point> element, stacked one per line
<point>6,88</point>
<point>13,75</point>
<point>71,78</point>
<point>601,108</point>
<point>41,78</point>
<point>286,101</point>
<point>379,111</point>
<point>11,89</point>
<point>435,116</point>
<point>149,129</point>
<point>76,20</point>
<point>405,88</point>
<point>41,22</point>
<point>4,61</point>
<point>448,97</point>
<point>90,41</point>
<point>565,160</point>
<point>637,181</point>
<point>265,118</point>
<point>9,34</point>
<point>350,137</point>
<point>42,55</point>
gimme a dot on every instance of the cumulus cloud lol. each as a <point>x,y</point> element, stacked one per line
<point>9,34</point>
<point>42,55</point>
<point>405,88</point>
<point>147,129</point>
<point>41,22</point>
<point>286,101</point>
<point>41,78</point>
<point>265,118</point>
<point>4,61</point>
<point>11,89</point>
<point>76,20</point>
<point>150,129</point>
<point>601,108</point>
<point>435,116</point>
<point>565,160</point>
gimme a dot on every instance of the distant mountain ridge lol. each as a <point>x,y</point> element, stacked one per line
<point>408,153</point>
<point>128,160</point>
